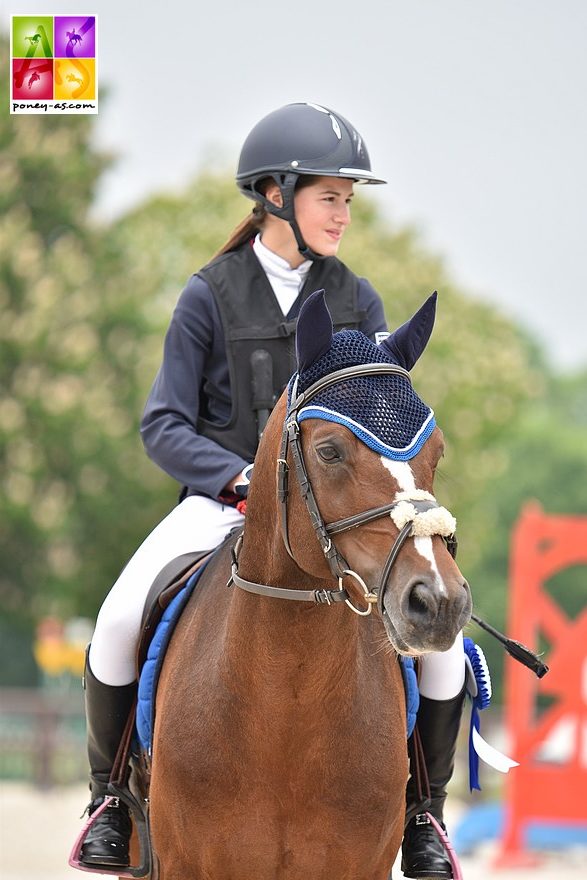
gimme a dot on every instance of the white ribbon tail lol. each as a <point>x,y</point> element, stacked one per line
<point>492,756</point>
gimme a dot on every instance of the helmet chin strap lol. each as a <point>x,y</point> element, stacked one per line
<point>306,251</point>
<point>287,185</point>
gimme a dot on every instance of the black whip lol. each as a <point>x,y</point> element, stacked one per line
<point>515,649</point>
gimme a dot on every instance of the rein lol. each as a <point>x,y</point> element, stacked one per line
<point>290,440</point>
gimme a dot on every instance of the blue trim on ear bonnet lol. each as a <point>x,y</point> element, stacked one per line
<point>384,412</point>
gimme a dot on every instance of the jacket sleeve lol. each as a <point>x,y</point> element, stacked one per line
<point>194,353</point>
<point>370,302</point>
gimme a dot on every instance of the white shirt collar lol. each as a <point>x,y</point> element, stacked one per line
<point>285,281</point>
<point>274,264</point>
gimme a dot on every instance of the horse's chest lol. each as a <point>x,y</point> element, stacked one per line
<point>297,757</point>
<point>351,763</point>
<point>321,799</point>
<point>307,780</point>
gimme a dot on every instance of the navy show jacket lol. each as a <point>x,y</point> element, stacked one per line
<point>194,373</point>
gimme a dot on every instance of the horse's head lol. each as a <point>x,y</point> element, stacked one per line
<point>369,449</point>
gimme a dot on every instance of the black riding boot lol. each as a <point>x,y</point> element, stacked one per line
<point>423,855</point>
<point>107,711</point>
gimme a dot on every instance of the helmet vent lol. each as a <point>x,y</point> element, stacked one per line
<point>335,126</point>
<point>317,107</point>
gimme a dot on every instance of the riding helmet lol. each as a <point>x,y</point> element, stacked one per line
<point>301,139</point>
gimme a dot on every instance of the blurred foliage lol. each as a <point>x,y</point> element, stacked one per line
<point>546,460</point>
<point>84,311</point>
<point>69,448</point>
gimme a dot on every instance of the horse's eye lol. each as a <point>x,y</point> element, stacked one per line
<point>329,454</point>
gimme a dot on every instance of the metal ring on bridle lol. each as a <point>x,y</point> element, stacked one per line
<point>370,598</point>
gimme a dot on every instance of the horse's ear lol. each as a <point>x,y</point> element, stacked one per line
<point>314,331</point>
<point>406,344</point>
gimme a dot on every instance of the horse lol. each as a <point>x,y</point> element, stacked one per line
<point>280,731</point>
<point>72,37</point>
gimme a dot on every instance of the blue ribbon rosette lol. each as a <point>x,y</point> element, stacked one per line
<point>479,691</point>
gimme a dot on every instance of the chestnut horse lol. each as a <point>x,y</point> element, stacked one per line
<point>280,732</point>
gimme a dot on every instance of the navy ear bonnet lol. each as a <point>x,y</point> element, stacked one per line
<point>384,412</point>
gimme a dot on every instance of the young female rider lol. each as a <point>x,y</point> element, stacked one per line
<point>228,355</point>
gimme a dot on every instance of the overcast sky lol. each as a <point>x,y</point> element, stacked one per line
<point>475,113</point>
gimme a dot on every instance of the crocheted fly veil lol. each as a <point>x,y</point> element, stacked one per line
<point>384,412</point>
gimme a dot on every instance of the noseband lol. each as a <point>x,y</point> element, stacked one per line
<point>338,566</point>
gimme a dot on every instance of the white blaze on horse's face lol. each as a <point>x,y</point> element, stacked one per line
<point>403,474</point>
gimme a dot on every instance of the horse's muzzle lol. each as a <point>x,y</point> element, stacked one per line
<point>428,616</point>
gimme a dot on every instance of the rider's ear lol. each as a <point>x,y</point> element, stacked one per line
<point>406,344</point>
<point>274,195</point>
<point>314,331</point>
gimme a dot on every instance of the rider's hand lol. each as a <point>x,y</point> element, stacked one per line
<point>240,484</point>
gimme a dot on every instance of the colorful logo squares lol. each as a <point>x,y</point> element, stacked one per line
<point>53,64</point>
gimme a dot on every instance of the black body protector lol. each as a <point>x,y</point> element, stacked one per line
<point>260,342</point>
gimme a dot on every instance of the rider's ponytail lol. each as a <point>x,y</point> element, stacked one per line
<point>246,229</point>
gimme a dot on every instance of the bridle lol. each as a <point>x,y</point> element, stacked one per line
<point>290,440</point>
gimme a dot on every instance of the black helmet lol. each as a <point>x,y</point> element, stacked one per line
<point>301,139</point>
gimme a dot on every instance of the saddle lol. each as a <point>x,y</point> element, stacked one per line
<point>159,623</point>
<point>169,582</point>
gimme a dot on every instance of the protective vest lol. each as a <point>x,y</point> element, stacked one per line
<point>260,342</point>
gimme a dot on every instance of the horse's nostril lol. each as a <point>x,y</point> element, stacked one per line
<point>421,601</point>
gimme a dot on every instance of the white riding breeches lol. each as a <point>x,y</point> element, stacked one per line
<point>442,675</point>
<point>197,523</point>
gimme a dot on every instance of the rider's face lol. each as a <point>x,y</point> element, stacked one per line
<point>323,212</point>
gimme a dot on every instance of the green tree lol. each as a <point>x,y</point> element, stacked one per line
<point>69,448</point>
<point>545,459</point>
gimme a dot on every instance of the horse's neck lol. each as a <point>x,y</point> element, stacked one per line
<point>278,650</point>
<point>288,635</point>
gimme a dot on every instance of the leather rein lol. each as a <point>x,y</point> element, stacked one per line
<point>290,440</point>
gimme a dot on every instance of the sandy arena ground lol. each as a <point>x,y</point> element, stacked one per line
<point>37,830</point>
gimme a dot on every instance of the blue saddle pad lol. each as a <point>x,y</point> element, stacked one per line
<point>412,692</point>
<point>152,667</point>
